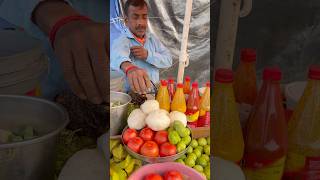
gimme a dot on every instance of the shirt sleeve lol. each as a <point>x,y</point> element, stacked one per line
<point>120,52</point>
<point>161,57</point>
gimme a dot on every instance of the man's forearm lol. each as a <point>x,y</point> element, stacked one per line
<point>47,13</point>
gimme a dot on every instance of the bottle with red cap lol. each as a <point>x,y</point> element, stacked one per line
<point>163,96</point>
<point>204,116</point>
<point>245,82</point>
<point>266,131</point>
<point>193,105</point>
<point>303,157</point>
<point>179,101</point>
<point>171,87</point>
<point>186,87</point>
<point>227,134</point>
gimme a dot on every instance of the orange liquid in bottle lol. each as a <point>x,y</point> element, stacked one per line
<point>171,88</point>
<point>186,87</point>
<point>179,101</point>
<point>266,131</point>
<point>204,117</point>
<point>227,134</point>
<point>304,132</point>
<point>163,96</point>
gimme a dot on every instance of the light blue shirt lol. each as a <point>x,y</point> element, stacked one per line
<point>159,57</point>
<point>19,12</point>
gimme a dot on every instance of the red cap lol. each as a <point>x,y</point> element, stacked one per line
<point>188,78</point>
<point>171,81</point>
<point>224,75</point>
<point>195,84</point>
<point>314,72</point>
<point>179,85</point>
<point>272,73</point>
<point>248,55</point>
<point>164,82</point>
<point>208,84</point>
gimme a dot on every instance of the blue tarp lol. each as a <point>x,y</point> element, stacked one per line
<point>116,21</point>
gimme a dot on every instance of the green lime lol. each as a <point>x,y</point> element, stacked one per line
<point>174,137</point>
<point>192,155</point>
<point>186,140</point>
<point>208,140</point>
<point>178,125</point>
<point>180,161</point>
<point>202,141</point>
<point>170,129</point>
<point>183,132</point>
<point>189,150</point>
<point>202,161</point>
<point>206,157</point>
<point>190,162</point>
<point>207,149</point>
<point>181,146</point>
<point>207,172</point>
<point>198,168</point>
<point>200,148</point>
<point>194,143</point>
<point>183,156</point>
<point>197,152</point>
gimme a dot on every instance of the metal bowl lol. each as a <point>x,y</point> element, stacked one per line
<point>154,159</point>
<point>30,159</point>
<point>118,114</point>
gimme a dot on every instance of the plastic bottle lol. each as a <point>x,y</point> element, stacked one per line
<point>304,132</point>
<point>227,134</point>
<point>266,131</point>
<point>186,87</point>
<point>179,101</point>
<point>163,96</point>
<point>171,88</point>
<point>204,117</point>
<point>193,105</point>
<point>245,83</point>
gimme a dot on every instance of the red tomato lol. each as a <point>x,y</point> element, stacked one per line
<point>161,137</point>
<point>146,134</point>
<point>135,144</point>
<point>150,149</point>
<point>128,134</point>
<point>167,149</point>
<point>153,177</point>
<point>173,175</point>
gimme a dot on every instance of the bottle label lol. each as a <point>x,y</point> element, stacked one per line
<point>271,172</point>
<point>301,167</point>
<point>193,116</point>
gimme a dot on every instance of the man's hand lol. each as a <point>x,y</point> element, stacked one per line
<point>139,52</point>
<point>138,79</point>
<point>80,46</point>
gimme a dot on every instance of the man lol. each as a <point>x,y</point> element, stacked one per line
<point>79,59</point>
<point>137,53</point>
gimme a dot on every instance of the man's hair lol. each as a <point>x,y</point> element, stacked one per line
<point>135,3</point>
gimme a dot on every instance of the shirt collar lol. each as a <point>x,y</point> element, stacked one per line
<point>131,36</point>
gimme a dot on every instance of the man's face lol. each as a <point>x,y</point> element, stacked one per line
<point>137,20</point>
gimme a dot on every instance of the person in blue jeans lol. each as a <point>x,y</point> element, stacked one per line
<point>138,53</point>
<point>79,61</point>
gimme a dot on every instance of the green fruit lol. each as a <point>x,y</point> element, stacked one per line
<point>200,148</point>
<point>197,152</point>
<point>129,168</point>
<point>114,143</point>
<point>192,155</point>
<point>125,163</point>
<point>174,137</point>
<point>206,157</point>
<point>189,150</point>
<point>186,140</point>
<point>122,174</point>
<point>138,162</point>
<point>180,161</point>
<point>190,162</point>
<point>178,125</point>
<point>207,172</point>
<point>183,156</point>
<point>194,143</point>
<point>208,140</point>
<point>202,161</point>
<point>170,129</point>
<point>119,152</point>
<point>202,141</point>
<point>116,160</point>
<point>198,168</point>
<point>181,146</point>
<point>202,174</point>
<point>207,149</point>
<point>183,132</point>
